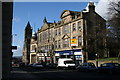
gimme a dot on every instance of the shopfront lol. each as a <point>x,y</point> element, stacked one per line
<point>75,54</point>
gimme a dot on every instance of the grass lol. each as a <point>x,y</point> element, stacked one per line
<point>108,59</point>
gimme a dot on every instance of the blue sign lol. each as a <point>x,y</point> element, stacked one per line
<point>68,52</point>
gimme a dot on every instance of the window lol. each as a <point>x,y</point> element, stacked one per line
<point>73,17</point>
<point>33,47</point>
<point>74,37</point>
<point>66,29</point>
<point>78,15</point>
<point>50,47</point>
<point>49,35</point>
<point>46,34</point>
<point>55,44</point>
<point>56,32</point>
<point>65,43</point>
<point>74,27</point>
<point>59,44</point>
<point>79,25</point>
<point>79,40</point>
<point>59,31</point>
<point>39,37</point>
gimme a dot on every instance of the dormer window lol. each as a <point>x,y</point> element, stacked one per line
<point>73,17</point>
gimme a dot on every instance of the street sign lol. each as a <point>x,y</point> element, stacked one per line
<point>14,47</point>
<point>74,42</point>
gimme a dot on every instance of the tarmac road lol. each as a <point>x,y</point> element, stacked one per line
<point>55,74</point>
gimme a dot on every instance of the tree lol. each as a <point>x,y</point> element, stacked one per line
<point>114,20</point>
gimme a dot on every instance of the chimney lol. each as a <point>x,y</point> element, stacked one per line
<point>91,7</point>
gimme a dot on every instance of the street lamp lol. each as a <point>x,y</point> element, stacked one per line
<point>13,48</point>
<point>12,37</point>
<point>96,60</point>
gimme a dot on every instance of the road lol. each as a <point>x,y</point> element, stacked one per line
<point>55,74</point>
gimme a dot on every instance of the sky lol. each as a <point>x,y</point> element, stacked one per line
<point>34,12</point>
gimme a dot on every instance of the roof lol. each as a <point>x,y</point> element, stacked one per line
<point>28,26</point>
<point>68,12</point>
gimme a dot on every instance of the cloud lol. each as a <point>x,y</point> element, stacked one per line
<point>102,8</point>
<point>16,19</point>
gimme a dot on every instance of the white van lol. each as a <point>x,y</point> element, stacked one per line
<point>65,63</point>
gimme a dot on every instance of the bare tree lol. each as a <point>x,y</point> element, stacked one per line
<point>114,20</point>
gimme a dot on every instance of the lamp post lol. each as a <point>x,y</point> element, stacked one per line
<point>12,47</point>
<point>96,60</point>
<point>12,37</point>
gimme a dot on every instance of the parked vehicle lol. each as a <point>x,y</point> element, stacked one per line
<point>14,64</point>
<point>29,65</point>
<point>21,64</point>
<point>86,67</point>
<point>65,63</point>
<point>50,65</point>
<point>109,68</point>
<point>37,65</point>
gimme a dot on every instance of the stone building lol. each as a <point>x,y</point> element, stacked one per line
<point>27,41</point>
<point>76,36</point>
<point>33,47</point>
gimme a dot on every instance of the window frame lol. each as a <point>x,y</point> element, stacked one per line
<point>74,27</point>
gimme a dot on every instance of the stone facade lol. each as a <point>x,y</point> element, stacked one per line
<point>33,47</point>
<point>27,42</point>
<point>79,35</point>
<point>54,39</point>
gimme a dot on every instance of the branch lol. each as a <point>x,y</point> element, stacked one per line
<point>116,10</point>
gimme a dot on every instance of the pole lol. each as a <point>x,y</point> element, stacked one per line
<point>96,60</point>
<point>73,54</point>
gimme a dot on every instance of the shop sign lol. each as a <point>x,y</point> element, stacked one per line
<point>74,42</point>
<point>66,54</point>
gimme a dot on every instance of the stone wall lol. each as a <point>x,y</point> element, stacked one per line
<point>101,62</point>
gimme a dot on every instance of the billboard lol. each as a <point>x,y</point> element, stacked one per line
<point>74,42</point>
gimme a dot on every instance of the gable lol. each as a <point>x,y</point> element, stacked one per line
<point>65,13</point>
<point>45,26</point>
<point>65,36</point>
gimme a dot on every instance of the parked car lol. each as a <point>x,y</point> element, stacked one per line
<point>30,65</point>
<point>14,64</point>
<point>66,63</point>
<point>50,65</point>
<point>37,65</point>
<point>86,67</point>
<point>21,64</point>
<point>109,68</point>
